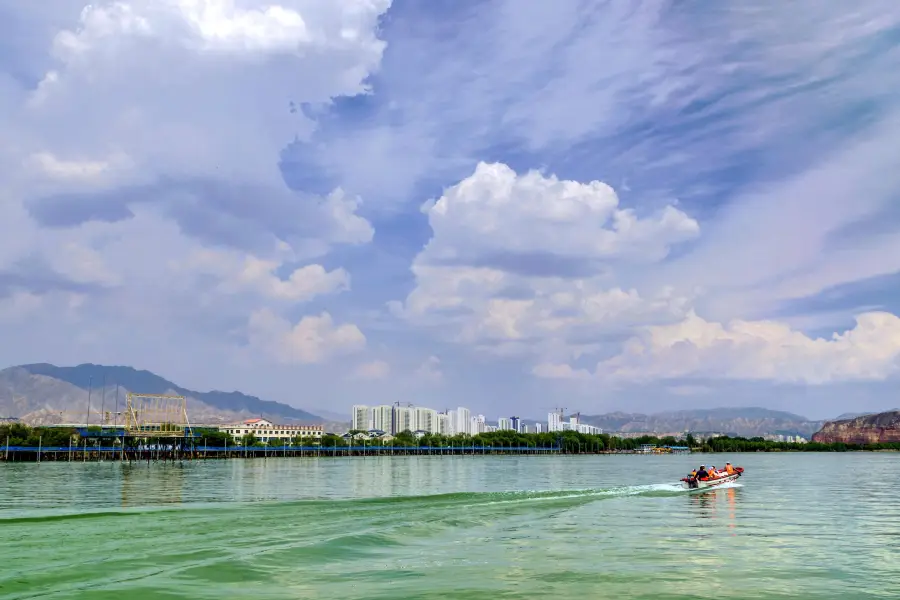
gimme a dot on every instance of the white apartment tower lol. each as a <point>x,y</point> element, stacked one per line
<point>452,428</point>
<point>382,418</point>
<point>425,419</point>
<point>463,421</point>
<point>504,423</point>
<point>444,425</point>
<point>554,421</point>
<point>478,423</point>
<point>404,419</point>
<point>361,417</point>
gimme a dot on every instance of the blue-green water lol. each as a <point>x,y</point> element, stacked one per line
<point>452,527</point>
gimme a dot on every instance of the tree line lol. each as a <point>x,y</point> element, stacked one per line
<point>573,442</point>
<point>570,442</point>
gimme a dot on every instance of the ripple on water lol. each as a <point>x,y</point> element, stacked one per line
<point>511,527</point>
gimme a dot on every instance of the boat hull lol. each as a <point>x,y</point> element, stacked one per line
<point>710,483</point>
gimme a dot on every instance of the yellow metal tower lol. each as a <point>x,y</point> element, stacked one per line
<point>155,415</point>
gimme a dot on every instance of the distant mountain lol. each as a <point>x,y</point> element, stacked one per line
<point>44,393</point>
<point>747,422</point>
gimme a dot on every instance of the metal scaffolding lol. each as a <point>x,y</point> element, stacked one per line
<point>156,415</point>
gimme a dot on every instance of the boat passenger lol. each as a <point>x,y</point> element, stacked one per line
<point>712,472</point>
<point>729,469</point>
<point>702,473</point>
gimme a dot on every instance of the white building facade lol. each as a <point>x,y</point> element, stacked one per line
<point>266,431</point>
<point>361,417</point>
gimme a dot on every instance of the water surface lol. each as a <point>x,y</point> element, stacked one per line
<point>451,527</point>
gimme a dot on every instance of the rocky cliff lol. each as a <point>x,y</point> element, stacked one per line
<point>868,429</point>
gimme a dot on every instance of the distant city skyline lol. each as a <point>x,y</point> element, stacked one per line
<point>395,418</point>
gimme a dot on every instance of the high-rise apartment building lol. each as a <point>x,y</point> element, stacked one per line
<point>404,419</point>
<point>425,419</point>
<point>395,419</point>
<point>554,421</point>
<point>383,418</point>
<point>478,423</point>
<point>463,421</point>
<point>444,424</point>
<point>504,423</point>
<point>361,418</point>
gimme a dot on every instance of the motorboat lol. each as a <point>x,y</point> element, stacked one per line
<point>708,482</point>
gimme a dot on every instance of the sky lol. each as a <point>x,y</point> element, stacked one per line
<point>509,205</point>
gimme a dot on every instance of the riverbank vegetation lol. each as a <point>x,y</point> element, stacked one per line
<point>569,442</point>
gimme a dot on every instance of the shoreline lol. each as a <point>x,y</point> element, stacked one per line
<point>20,454</point>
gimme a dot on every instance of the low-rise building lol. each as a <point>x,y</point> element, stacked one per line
<point>265,430</point>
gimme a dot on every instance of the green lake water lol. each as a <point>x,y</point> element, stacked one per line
<point>797,526</point>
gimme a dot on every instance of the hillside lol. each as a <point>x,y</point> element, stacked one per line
<point>45,393</point>
<point>867,429</point>
<point>746,422</point>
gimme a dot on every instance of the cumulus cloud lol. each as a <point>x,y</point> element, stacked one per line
<point>148,144</point>
<point>760,350</point>
<point>529,261</point>
<point>96,137</point>
<point>496,216</point>
<point>314,339</point>
<point>246,273</point>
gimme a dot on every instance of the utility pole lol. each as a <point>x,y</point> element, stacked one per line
<point>87,421</point>
<point>102,417</point>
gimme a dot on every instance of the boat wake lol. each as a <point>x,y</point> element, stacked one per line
<point>652,490</point>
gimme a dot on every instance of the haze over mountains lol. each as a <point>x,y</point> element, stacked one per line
<point>746,422</point>
<point>44,394</point>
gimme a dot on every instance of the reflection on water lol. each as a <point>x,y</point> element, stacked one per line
<point>142,485</point>
<point>707,505</point>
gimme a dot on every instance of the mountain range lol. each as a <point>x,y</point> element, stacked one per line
<point>44,394</point>
<point>745,422</point>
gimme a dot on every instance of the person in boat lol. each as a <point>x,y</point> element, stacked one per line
<point>729,469</point>
<point>692,479</point>
<point>712,472</point>
<point>702,473</point>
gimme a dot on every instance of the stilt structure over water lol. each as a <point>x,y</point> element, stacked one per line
<point>156,416</point>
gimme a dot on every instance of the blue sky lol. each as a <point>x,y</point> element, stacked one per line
<point>507,205</point>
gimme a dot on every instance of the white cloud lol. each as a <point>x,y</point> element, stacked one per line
<point>376,369</point>
<point>314,339</point>
<point>760,350</point>
<point>246,273</point>
<point>186,106</point>
<point>153,137</point>
<point>430,370</point>
<point>495,213</point>
<point>559,371</point>
<point>528,262</point>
